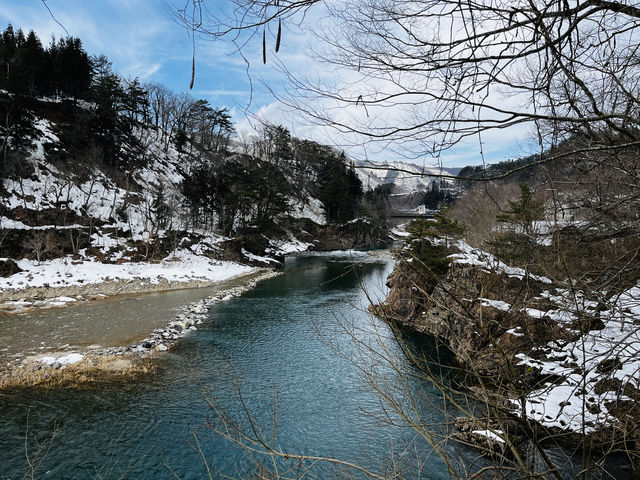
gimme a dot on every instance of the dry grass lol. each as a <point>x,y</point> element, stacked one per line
<point>91,371</point>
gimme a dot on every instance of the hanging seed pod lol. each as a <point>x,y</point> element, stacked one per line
<point>193,72</point>
<point>264,46</point>
<point>279,35</point>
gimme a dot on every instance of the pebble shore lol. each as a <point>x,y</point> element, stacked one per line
<point>126,361</point>
<point>184,322</point>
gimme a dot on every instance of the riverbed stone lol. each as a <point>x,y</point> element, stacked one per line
<point>160,340</point>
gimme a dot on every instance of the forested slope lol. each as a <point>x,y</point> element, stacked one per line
<point>101,170</point>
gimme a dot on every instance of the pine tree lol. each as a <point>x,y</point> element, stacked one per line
<point>72,69</point>
<point>33,63</point>
<point>523,211</point>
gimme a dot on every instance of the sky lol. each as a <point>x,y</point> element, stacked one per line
<point>143,40</point>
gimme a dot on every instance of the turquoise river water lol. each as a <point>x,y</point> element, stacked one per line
<point>301,336</point>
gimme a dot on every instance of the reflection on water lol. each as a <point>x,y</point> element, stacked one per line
<point>268,338</point>
<point>287,336</point>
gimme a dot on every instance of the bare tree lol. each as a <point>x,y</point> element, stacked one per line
<point>455,70</point>
<point>427,75</point>
<point>38,242</point>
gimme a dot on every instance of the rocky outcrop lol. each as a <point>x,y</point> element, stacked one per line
<point>536,353</point>
<point>8,267</point>
<point>468,312</point>
<point>254,248</point>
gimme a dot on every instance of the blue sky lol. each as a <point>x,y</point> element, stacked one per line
<point>142,40</point>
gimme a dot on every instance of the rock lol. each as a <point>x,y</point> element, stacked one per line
<point>477,434</point>
<point>609,365</point>
<point>147,345</point>
<point>161,347</point>
<point>9,267</point>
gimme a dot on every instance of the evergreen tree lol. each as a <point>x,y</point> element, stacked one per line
<point>375,205</point>
<point>523,211</point>
<point>340,189</point>
<point>34,62</point>
<point>518,244</point>
<point>221,129</point>
<point>72,68</point>
<point>7,53</point>
<point>276,145</point>
<point>136,102</point>
<point>267,190</point>
<point>112,122</point>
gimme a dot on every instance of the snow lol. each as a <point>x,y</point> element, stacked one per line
<point>563,404</point>
<point>292,245</point>
<point>8,223</point>
<point>492,434</point>
<point>541,230</point>
<point>559,315</point>
<point>98,197</point>
<point>13,224</point>
<point>311,209</point>
<point>257,258</point>
<point>62,300</point>
<point>355,256</point>
<point>581,368</point>
<point>569,299</point>
<point>514,332</point>
<point>413,179</point>
<point>420,210</point>
<point>69,359</point>
<point>497,304</point>
<point>475,257</point>
<point>184,266</point>
<point>399,233</point>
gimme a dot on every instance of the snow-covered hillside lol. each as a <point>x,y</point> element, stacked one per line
<point>92,192</point>
<point>128,207</point>
<point>405,177</point>
<point>65,224</point>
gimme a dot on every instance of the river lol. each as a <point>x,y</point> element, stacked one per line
<point>289,335</point>
<point>111,322</point>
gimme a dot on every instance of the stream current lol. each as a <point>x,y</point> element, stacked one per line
<point>293,335</point>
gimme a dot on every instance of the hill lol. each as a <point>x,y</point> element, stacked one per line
<point>404,178</point>
<point>409,187</point>
<point>105,178</point>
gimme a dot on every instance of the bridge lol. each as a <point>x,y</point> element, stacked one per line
<point>413,215</point>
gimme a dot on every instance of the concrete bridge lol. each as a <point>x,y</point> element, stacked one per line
<point>413,215</point>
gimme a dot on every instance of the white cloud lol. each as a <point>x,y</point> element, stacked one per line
<point>143,41</point>
<point>128,34</point>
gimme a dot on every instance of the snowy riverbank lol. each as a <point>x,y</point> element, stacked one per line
<point>64,282</point>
